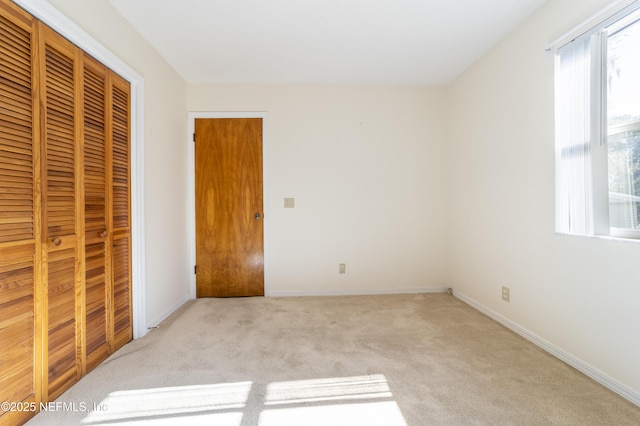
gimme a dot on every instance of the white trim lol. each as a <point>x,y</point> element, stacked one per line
<point>633,234</point>
<point>45,12</point>
<point>169,311</point>
<point>192,190</point>
<point>358,292</point>
<point>564,356</point>
<point>599,148</point>
<point>600,237</point>
<point>617,7</point>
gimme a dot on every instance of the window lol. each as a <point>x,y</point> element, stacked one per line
<point>598,129</point>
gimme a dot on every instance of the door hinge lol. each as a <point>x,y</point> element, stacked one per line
<point>195,269</point>
<point>194,137</point>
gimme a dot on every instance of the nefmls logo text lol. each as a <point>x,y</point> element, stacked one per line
<point>71,406</point>
<point>63,406</point>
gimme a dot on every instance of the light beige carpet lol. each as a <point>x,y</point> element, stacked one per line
<point>372,360</point>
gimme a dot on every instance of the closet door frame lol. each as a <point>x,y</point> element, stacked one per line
<point>72,32</point>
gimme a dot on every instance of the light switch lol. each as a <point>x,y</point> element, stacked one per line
<point>289,203</point>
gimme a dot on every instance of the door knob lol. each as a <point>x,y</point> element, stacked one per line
<point>257,216</point>
<point>56,241</point>
<point>103,234</point>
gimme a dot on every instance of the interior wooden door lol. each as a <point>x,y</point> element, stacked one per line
<point>229,207</point>
<point>19,214</point>
<point>63,258</point>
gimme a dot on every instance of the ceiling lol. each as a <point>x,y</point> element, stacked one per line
<point>423,42</point>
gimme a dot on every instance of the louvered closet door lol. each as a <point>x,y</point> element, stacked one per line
<point>121,222</point>
<point>62,257</point>
<point>19,212</point>
<point>97,271</point>
<point>65,228</point>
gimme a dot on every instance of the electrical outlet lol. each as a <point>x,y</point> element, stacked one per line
<point>289,203</point>
<point>342,268</point>
<point>506,294</point>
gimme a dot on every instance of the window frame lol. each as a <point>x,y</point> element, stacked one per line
<point>598,221</point>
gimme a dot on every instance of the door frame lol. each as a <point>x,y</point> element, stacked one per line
<point>51,16</point>
<point>192,190</point>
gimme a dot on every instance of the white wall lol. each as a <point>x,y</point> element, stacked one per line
<point>380,185</point>
<point>365,166</point>
<point>165,164</point>
<point>577,293</point>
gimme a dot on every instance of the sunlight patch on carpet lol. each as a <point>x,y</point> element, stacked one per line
<point>178,403</point>
<point>371,414</point>
<point>335,401</point>
<point>334,389</point>
<point>362,400</point>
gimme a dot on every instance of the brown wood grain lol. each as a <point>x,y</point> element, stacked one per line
<point>121,310</point>
<point>229,240</point>
<point>19,207</point>
<point>65,233</point>
<point>61,315</point>
<point>59,133</point>
<point>61,198</point>
<point>16,324</point>
<point>16,133</point>
<point>96,279</point>
<point>122,314</point>
<point>120,154</point>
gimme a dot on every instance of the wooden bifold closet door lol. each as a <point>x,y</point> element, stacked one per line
<point>96,199</point>
<point>120,217</point>
<point>19,214</point>
<point>61,224</point>
<point>65,234</point>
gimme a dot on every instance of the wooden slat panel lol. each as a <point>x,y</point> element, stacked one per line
<point>16,325</point>
<point>94,148</point>
<point>16,133</point>
<point>62,190</point>
<point>120,151</point>
<point>123,325</point>
<point>18,366</point>
<point>60,200</point>
<point>96,302</point>
<point>62,323</point>
<point>120,203</point>
<point>95,211</point>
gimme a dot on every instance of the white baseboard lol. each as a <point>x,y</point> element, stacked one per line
<point>576,363</point>
<point>356,292</point>
<point>169,311</point>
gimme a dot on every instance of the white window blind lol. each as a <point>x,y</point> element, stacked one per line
<point>574,196</point>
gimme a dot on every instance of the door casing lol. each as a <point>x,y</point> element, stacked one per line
<point>192,190</point>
